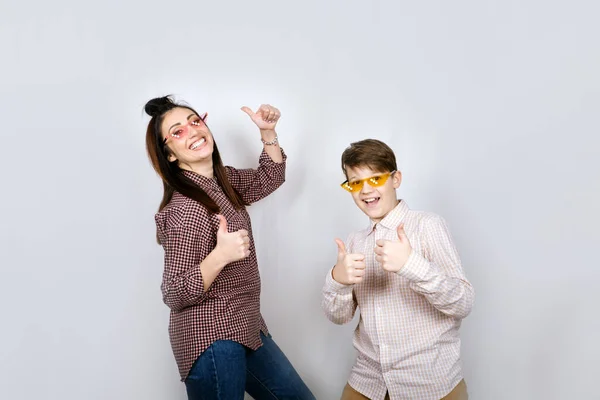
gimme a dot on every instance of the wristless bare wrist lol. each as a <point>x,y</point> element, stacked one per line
<point>216,259</point>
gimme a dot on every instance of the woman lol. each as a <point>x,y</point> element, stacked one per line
<point>211,281</point>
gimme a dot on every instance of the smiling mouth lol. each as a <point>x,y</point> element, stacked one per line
<point>371,201</point>
<point>197,144</point>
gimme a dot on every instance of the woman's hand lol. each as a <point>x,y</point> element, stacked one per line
<point>265,117</point>
<point>232,246</point>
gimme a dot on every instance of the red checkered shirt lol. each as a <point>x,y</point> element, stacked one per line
<point>230,308</point>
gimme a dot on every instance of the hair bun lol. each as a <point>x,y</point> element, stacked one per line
<point>158,105</point>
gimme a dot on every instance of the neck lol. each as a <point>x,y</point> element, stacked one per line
<point>378,220</point>
<point>201,168</point>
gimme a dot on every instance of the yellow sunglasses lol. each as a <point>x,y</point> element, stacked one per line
<point>375,181</point>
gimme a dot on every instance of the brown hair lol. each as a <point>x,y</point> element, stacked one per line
<point>170,172</point>
<point>370,153</point>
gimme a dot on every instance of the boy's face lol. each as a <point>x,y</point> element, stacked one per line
<point>375,201</point>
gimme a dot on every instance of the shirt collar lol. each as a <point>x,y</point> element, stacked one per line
<point>393,219</point>
<point>202,181</point>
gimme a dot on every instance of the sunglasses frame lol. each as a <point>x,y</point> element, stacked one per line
<point>186,127</point>
<point>346,185</point>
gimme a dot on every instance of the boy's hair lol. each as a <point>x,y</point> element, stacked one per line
<point>370,153</point>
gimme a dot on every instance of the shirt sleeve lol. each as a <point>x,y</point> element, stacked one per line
<point>185,248</point>
<point>438,274</point>
<point>256,184</point>
<point>338,302</point>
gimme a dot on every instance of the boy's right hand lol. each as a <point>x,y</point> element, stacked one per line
<point>350,268</point>
<point>232,246</point>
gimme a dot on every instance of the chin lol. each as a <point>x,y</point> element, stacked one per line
<point>203,155</point>
<point>373,214</point>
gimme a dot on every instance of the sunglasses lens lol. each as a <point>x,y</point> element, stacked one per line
<point>375,181</point>
<point>346,186</point>
<point>378,180</point>
<point>356,185</point>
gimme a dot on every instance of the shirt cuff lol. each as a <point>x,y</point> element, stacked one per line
<point>417,268</point>
<point>331,285</point>
<point>265,158</point>
<point>195,282</point>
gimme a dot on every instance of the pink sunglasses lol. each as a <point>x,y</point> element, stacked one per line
<point>181,131</point>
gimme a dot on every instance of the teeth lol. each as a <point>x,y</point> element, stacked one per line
<point>370,200</point>
<point>198,143</point>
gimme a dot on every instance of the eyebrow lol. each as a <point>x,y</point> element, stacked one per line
<point>177,123</point>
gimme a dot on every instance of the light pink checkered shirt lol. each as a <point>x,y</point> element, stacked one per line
<point>407,337</point>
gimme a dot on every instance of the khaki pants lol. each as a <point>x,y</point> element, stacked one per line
<point>458,393</point>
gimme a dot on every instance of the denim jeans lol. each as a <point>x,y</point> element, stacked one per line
<point>227,369</point>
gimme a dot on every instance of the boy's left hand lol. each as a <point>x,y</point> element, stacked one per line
<point>393,255</point>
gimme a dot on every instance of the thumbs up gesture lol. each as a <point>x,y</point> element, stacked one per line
<point>265,117</point>
<point>350,268</point>
<point>233,246</point>
<point>392,255</point>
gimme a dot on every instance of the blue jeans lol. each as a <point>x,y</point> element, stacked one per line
<point>227,369</point>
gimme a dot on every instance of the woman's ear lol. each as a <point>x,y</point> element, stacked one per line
<point>170,156</point>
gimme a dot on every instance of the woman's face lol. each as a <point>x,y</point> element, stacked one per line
<point>187,138</point>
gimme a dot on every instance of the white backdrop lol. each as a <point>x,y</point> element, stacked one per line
<point>491,107</point>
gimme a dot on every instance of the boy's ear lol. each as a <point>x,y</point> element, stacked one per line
<point>397,178</point>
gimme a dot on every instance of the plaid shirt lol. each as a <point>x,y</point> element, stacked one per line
<point>407,337</point>
<point>230,308</point>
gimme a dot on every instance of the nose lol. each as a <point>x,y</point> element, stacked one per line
<point>366,189</point>
<point>194,130</point>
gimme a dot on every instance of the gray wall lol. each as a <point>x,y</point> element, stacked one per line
<point>491,106</point>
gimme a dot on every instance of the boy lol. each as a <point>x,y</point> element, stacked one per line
<point>405,275</point>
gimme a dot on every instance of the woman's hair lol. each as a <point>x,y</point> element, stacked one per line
<point>174,180</point>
